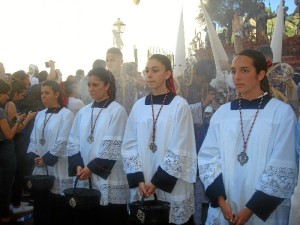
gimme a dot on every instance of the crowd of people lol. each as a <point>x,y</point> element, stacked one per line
<point>215,159</point>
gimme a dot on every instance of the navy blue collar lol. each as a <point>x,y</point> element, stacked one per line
<point>158,99</point>
<point>54,110</point>
<point>252,104</point>
<point>101,104</point>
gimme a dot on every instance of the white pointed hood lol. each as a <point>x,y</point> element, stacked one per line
<point>276,43</point>
<point>216,45</point>
<point>180,55</point>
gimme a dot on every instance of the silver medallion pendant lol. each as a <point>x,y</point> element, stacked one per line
<point>140,215</point>
<point>42,141</point>
<point>243,158</point>
<point>90,139</point>
<point>29,184</point>
<point>153,147</point>
<point>72,202</point>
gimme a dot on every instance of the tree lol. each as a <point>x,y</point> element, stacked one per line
<point>222,11</point>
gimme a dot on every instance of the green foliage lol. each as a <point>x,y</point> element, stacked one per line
<point>221,12</point>
<point>290,26</point>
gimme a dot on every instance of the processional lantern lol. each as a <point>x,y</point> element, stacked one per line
<point>118,29</point>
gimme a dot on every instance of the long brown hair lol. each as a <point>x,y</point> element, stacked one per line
<point>108,78</point>
<point>260,64</point>
<point>168,65</point>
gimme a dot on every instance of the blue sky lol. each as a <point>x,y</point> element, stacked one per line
<point>275,3</point>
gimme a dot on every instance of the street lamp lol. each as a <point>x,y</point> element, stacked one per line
<point>118,29</point>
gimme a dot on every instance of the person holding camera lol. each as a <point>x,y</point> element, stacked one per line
<point>17,95</point>
<point>54,74</point>
<point>7,153</point>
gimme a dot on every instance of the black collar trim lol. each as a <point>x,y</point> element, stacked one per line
<point>158,99</point>
<point>253,104</point>
<point>54,110</point>
<point>101,104</point>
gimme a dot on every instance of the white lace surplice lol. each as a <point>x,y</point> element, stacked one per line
<point>108,135</point>
<point>176,153</point>
<point>271,167</point>
<point>56,136</point>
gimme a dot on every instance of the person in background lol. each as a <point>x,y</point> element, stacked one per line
<point>32,102</point>
<point>47,149</point>
<point>33,72</point>
<point>126,94</point>
<point>99,63</point>
<point>42,76</point>
<point>22,76</point>
<point>247,161</point>
<point>94,151</point>
<point>17,94</point>
<point>79,75</point>
<point>7,153</point>
<point>294,216</point>
<point>71,89</point>
<point>3,75</point>
<point>201,98</point>
<point>54,74</point>
<point>280,76</point>
<point>83,93</point>
<point>159,151</point>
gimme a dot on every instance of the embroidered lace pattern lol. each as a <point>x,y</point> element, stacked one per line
<point>111,150</point>
<point>72,149</point>
<point>33,146</point>
<point>114,194</point>
<point>181,211</point>
<point>212,220</point>
<point>182,167</point>
<point>131,164</point>
<point>59,148</point>
<point>209,172</point>
<point>61,185</point>
<point>196,110</point>
<point>278,181</point>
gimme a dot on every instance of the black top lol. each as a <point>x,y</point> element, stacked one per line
<point>158,99</point>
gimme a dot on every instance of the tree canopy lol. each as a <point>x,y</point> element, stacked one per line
<point>221,11</point>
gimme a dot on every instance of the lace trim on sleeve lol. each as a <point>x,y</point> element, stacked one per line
<point>196,110</point>
<point>61,184</point>
<point>182,167</point>
<point>131,164</point>
<point>33,146</point>
<point>72,149</point>
<point>278,181</point>
<point>59,148</point>
<point>181,211</point>
<point>111,150</point>
<point>213,220</point>
<point>114,194</point>
<point>209,172</point>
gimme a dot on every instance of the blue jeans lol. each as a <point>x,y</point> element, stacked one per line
<point>8,165</point>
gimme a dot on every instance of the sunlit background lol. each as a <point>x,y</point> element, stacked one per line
<point>74,33</point>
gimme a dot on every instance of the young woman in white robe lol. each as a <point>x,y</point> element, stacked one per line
<point>47,148</point>
<point>158,149</point>
<point>247,161</point>
<point>295,200</point>
<point>94,150</point>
